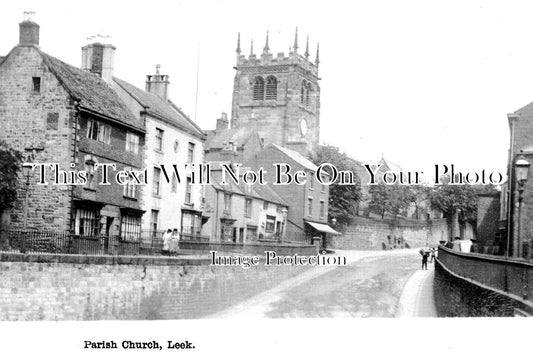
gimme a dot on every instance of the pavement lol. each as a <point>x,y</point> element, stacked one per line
<point>417,296</point>
<point>373,284</point>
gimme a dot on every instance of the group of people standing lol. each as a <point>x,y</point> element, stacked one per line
<point>171,240</point>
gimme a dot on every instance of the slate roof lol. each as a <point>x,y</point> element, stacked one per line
<point>297,157</point>
<point>166,109</point>
<point>268,194</point>
<point>92,91</point>
<point>263,192</point>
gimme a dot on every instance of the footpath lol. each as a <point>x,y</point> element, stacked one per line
<point>417,296</point>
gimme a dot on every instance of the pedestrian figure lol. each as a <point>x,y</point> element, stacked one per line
<point>174,242</point>
<point>166,242</point>
<point>425,256</point>
<point>433,251</point>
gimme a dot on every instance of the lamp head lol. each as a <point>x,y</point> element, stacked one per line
<point>522,169</point>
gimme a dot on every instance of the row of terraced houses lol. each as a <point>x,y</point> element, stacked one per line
<point>83,117</point>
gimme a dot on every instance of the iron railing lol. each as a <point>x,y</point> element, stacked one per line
<point>34,241</point>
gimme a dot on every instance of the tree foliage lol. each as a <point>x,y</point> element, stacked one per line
<point>395,199</point>
<point>10,165</point>
<point>449,198</point>
<point>343,199</point>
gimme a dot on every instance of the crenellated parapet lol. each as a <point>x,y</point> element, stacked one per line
<point>267,58</point>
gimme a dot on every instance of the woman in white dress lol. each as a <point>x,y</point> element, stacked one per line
<point>174,242</point>
<point>166,242</point>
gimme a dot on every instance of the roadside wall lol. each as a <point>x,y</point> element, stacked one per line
<point>126,288</point>
<point>371,234</point>
<point>471,284</point>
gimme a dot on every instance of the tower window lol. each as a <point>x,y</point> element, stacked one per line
<point>272,88</point>
<point>259,88</point>
<point>305,92</point>
<point>36,81</point>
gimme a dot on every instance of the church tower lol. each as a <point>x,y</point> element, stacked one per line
<point>278,97</point>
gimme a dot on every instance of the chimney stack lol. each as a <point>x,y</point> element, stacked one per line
<point>28,30</point>
<point>99,57</point>
<point>223,122</point>
<point>158,83</point>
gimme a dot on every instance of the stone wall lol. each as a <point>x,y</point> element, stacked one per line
<point>472,284</point>
<point>127,288</point>
<point>40,117</point>
<point>372,234</point>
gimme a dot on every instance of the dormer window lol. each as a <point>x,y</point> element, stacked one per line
<point>259,88</point>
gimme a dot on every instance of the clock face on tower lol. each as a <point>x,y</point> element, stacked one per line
<point>303,127</point>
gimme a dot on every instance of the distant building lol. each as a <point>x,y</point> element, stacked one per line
<point>308,203</point>
<point>236,145</point>
<point>243,213</point>
<point>55,112</point>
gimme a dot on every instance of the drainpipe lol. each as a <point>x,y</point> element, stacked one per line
<point>513,118</point>
<point>74,150</point>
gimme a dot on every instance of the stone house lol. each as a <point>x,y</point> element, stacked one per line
<point>171,138</point>
<point>243,213</point>
<point>57,113</point>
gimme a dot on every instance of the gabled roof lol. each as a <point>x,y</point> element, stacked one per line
<point>392,165</point>
<point>297,157</point>
<point>92,91</point>
<point>525,109</point>
<point>166,110</point>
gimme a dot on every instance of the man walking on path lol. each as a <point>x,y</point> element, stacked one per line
<point>425,259</point>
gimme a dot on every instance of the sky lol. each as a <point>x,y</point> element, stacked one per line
<point>420,82</point>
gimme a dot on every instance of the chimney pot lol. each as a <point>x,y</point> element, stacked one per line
<point>157,84</point>
<point>99,58</point>
<point>28,30</point>
<point>223,123</point>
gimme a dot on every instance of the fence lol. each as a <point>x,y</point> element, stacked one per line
<point>28,241</point>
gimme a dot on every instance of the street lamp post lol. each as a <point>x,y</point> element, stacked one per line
<point>522,170</point>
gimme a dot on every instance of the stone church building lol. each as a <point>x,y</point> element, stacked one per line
<point>275,118</point>
<point>276,97</point>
